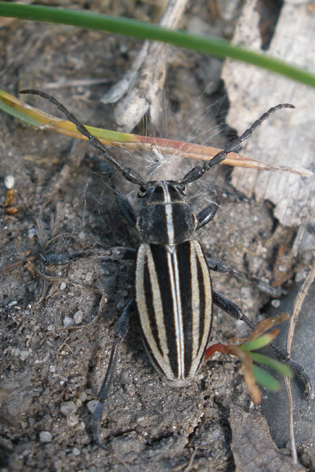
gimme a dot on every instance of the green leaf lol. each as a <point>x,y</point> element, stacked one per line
<point>258,343</point>
<point>205,44</point>
<point>283,369</point>
<point>265,380</point>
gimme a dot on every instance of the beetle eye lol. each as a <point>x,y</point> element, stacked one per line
<point>142,191</point>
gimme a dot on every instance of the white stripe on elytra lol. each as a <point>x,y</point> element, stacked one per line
<point>207,314</point>
<point>177,310</point>
<point>195,301</point>
<point>168,214</point>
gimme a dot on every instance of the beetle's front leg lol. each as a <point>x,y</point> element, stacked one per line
<point>235,311</point>
<point>120,332</point>
<point>120,252</point>
<point>125,207</point>
<point>208,213</point>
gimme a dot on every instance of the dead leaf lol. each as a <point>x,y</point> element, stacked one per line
<point>252,446</point>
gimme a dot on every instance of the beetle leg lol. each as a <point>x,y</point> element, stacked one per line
<point>231,309</point>
<point>223,267</point>
<point>125,207</point>
<point>120,332</point>
<point>120,252</point>
<point>208,213</point>
<point>235,311</point>
<point>61,259</point>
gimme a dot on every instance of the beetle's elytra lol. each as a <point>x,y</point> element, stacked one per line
<point>173,291</point>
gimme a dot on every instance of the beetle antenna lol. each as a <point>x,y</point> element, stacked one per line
<point>198,171</point>
<point>127,172</point>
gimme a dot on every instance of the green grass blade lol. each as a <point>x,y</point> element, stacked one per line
<point>40,119</point>
<point>10,105</point>
<point>205,44</point>
<point>265,380</point>
<point>279,367</point>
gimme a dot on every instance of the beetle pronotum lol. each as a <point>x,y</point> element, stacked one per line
<point>173,290</point>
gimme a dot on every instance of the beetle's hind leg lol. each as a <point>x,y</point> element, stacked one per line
<point>235,311</point>
<point>120,333</point>
<point>224,268</point>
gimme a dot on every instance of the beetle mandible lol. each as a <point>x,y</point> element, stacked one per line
<point>173,290</point>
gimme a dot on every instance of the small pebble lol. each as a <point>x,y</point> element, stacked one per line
<point>300,276</point>
<point>83,396</point>
<point>31,233</point>
<point>88,276</point>
<point>62,285</point>
<point>67,408</point>
<point>275,303</point>
<point>72,420</point>
<point>24,355</point>
<point>45,437</point>
<point>76,451</point>
<point>143,421</point>
<point>11,304</point>
<point>15,351</point>
<point>81,426</point>
<point>78,403</point>
<point>58,465</point>
<point>67,321</point>
<point>78,317</point>
<point>9,182</point>
<point>92,405</point>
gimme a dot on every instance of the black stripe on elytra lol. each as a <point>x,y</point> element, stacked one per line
<point>201,284</point>
<point>149,303</point>
<point>183,253</point>
<point>159,254</point>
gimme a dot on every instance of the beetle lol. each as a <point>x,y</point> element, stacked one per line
<point>173,292</point>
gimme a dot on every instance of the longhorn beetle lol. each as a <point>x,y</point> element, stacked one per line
<point>173,290</point>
